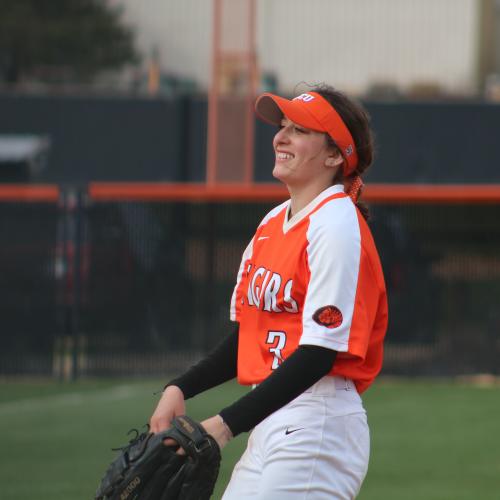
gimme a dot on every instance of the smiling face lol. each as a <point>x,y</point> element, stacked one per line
<point>303,156</point>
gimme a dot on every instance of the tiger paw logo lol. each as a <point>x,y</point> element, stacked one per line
<point>329,316</point>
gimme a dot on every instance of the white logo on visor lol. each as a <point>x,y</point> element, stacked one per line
<point>304,97</point>
<point>348,150</point>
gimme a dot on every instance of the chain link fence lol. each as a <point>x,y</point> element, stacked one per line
<point>120,288</point>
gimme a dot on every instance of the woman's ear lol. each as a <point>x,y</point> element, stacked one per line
<point>334,160</point>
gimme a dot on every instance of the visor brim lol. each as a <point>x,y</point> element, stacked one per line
<point>271,109</point>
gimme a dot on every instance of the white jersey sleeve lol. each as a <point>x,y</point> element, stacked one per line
<point>333,255</point>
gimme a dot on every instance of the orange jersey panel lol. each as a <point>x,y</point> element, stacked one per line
<point>314,279</point>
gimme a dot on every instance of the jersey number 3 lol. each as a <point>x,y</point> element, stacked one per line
<point>278,341</point>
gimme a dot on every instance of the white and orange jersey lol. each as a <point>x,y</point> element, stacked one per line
<point>314,279</point>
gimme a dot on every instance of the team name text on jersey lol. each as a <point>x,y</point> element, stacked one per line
<point>268,291</point>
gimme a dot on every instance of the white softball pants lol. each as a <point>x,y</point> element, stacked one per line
<point>316,447</point>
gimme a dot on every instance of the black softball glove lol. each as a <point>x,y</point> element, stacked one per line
<point>146,469</point>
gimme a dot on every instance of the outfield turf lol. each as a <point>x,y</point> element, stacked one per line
<point>432,441</point>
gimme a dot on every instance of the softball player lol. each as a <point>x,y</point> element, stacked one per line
<point>310,310</point>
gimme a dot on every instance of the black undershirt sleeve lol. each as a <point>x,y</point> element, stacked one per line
<point>297,373</point>
<point>217,367</point>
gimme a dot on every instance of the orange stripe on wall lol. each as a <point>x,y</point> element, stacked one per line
<point>432,193</point>
<point>29,193</point>
<point>187,192</point>
<point>374,193</point>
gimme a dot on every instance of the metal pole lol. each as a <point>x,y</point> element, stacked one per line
<point>213,95</point>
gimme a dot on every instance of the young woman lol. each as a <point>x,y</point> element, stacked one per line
<point>310,309</point>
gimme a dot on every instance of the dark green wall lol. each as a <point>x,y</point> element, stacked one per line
<point>165,139</point>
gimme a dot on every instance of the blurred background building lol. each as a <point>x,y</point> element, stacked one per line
<point>386,48</point>
<point>369,46</point>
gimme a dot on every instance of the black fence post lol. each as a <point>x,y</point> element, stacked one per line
<point>76,306</point>
<point>72,206</point>
<point>211,242</point>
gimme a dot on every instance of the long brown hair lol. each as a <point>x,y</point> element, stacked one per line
<point>357,121</point>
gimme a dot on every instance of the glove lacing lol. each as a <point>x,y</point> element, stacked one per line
<point>137,439</point>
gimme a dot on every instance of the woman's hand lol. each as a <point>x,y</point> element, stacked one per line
<point>171,405</point>
<point>218,429</point>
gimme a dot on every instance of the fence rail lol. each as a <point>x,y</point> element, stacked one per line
<point>374,193</point>
<point>128,279</point>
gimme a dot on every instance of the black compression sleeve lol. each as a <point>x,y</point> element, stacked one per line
<point>217,367</point>
<point>296,374</point>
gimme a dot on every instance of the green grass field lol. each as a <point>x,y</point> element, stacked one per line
<point>432,441</point>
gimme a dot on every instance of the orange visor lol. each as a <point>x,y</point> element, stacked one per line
<point>314,112</point>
